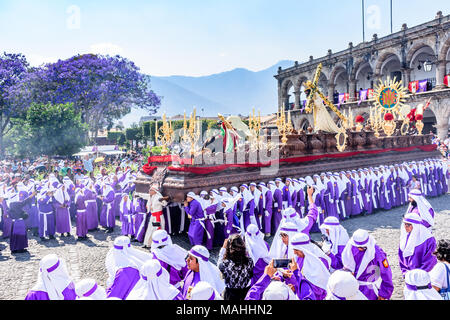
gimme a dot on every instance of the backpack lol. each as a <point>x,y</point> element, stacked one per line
<point>445,293</point>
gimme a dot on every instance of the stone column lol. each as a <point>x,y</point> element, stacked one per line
<point>280,97</point>
<point>406,76</point>
<point>441,109</point>
<point>352,90</point>
<point>442,128</point>
<point>331,88</point>
<point>286,102</point>
<point>440,74</point>
<point>376,79</point>
<point>297,100</point>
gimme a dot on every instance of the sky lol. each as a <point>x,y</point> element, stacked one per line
<point>197,38</point>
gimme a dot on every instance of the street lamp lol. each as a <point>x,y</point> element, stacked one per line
<point>427,66</point>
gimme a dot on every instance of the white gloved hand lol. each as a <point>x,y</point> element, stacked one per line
<point>267,213</point>
<point>326,247</point>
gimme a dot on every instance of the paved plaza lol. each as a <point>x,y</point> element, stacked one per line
<point>86,259</point>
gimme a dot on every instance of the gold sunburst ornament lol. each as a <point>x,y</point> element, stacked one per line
<point>389,98</point>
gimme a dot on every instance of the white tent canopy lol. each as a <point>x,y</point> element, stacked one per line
<point>106,150</point>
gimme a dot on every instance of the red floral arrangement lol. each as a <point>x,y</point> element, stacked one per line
<point>359,119</point>
<point>419,117</point>
<point>411,115</point>
<point>388,117</point>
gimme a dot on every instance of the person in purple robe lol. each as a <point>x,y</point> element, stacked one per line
<point>154,284</point>
<point>91,207</point>
<point>357,203</point>
<point>54,282</point>
<point>271,286</point>
<point>311,262</point>
<point>329,195</point>
<point>419,205</point>
<point>18,238</point>
<point>257,197</point>
<point>346,196</point>
<point>368,263</point>
<point>229,205</point>
<point>284,188</point>
<point>417,245</point>
<point>6,219</point>
<point>117,199</point>
<point>247,206</point>
<point>258,250</point>
<point>126,214</point>
<point>81,217</point>
<point>170,256</point>
<point>61,205</point>
<point>70,188</point>
<point>277,195</point>
<point>46,214</point>
<point>365,191</point>
<point>292,192</point>
<point>122,269</point>
<point>107,218</point>
<point>209,206</point>
<point>337,239</point>
<point>194,210</point>
<point>140,215</point>
<point>430,172</point>
<point>301,196</point>
<point>265,208</point>
<point>31,209</point>
<point>201,269</point>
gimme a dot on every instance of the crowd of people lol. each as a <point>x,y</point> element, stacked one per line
<point>47,202</point>
<point>342,195</point>
<point>293,266</point>
<point>443,146</point>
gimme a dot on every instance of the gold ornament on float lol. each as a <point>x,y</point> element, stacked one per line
<point>341,139</point>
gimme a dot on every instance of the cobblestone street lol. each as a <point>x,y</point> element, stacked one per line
<point>86,259</point>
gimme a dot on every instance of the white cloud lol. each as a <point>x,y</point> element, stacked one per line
<point>106,48</point>
<point>36,60</point>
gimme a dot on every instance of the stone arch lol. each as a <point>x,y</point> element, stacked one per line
<point>385,54</point>
<point>442,54</point>
<point>429,121</point>
<point>357,66</point>
<point>362,78</point>
<point>285,86</point>
<point>411,54</point>
<point>299,81</point>
<point>335,72</point>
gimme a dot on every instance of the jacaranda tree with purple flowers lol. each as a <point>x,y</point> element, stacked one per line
<point>101,88</point>
<point>13,69</point>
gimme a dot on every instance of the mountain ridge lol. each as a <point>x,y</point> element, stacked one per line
<point>236,91</point>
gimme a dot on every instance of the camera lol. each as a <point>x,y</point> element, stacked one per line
<point>281,263</point>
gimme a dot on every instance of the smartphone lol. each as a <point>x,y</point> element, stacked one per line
<point>281,263</point>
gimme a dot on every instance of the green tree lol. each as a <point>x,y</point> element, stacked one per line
<point>50,130</point>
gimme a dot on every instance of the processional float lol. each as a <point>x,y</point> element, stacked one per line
<point>244,153</point>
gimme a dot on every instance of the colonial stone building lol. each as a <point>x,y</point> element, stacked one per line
<point>419,56</point>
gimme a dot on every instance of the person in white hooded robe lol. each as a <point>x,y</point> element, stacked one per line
<point>170,256</point>
<point>418,286</point>
<point>204,291</point>
<point>342,285</point>
<point>54,281</point>
<point>154,284</point>
<point>88,288</point>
